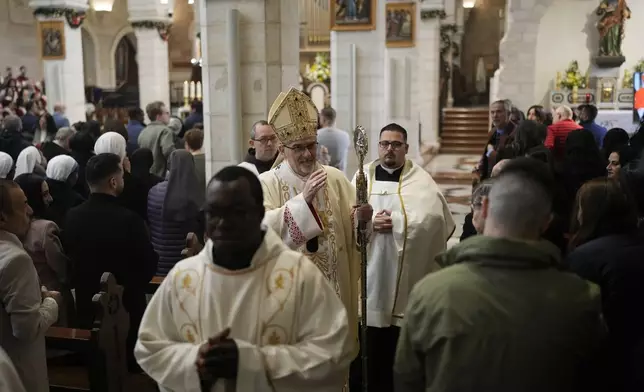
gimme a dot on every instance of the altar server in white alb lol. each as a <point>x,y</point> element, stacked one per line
<point>411,225</point>
<point>246,313</point>
<point>311,206</point>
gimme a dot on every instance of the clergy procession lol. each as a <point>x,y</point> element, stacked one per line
<point>282,274</point>
<point>322,196</point>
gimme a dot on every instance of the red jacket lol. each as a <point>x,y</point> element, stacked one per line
<point>556,137</point>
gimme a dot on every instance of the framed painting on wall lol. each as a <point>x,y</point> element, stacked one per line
<point>401,23</point>
<point>353,15</point>
<point>51,35</point>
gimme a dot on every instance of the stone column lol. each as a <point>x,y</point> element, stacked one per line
<point>515,78</point>
<point>250,54</point>
<point>63,73</point>
<point>151,22</point>
<point>428,46</point>
<point>358,80</point>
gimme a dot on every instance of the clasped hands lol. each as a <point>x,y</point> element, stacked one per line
<point>218,358</point>
<point>382,222</point>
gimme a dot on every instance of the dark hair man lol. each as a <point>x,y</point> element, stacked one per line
<point>195,117</point>
<point>587,116</point>
<point>279,326</point>
<point>411,225</point>
<point>101,236</point>
<point>135,124</point>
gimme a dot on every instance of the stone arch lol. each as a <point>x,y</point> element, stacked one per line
<point>90,55</point>
<point>124,32</point>
<point>516,76</point>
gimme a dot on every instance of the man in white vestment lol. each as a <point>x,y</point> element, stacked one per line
<point>246,314</point>
<point>311,206</point>
<point>411,226</point>
<point>263,148</point>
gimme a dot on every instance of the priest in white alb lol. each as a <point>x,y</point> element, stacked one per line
<point>247,313</point>
<point>312,206</point>
<point>411,225</point>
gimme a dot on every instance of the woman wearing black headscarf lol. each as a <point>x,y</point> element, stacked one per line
<point>43,245</point>
<point>174,210</point>
<point>46,127</point>
<point>141,162</point>
<point>82,146</point>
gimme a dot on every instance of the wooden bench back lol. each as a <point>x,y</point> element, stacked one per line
<point>111,325</point>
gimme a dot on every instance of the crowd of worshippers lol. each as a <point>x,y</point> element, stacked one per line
<point>268,299</point>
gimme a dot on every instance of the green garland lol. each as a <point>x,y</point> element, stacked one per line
<point>163,28</point>
<point>446,32</point>
<point>149,24</point>
<point>74,17</point>
<point>432,14</point>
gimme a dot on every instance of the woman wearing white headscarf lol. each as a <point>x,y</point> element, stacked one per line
<point>6,164</point>
<point>115,143</point>
<point>30,160</point>
<point>62,174</point>
<point>111,142</point>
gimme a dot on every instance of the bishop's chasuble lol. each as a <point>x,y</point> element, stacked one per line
<point>324,232</point>
<point>422,224</point>
<point>291,330</point>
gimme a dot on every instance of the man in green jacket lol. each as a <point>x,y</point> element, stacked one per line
<point>158,137</point>
<point>502,316</point>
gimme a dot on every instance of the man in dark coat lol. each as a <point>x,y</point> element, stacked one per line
<point>101,236</point>
<point>500,136</point>
<point>11,140</point>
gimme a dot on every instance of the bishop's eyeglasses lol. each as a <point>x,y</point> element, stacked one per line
<point>301,148</point>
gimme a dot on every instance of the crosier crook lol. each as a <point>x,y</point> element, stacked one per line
<point>361,146</point>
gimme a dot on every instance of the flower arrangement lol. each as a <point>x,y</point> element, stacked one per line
<point>320,70</point>
<point>639,67</point>
<point>627,80</point>
<point>573,77</point>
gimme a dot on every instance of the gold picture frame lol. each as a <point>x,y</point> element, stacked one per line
<point>51,39</point>
<point>353,15</point>
<point>400,25</point>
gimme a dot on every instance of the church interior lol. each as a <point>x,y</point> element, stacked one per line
<point>432,66</point>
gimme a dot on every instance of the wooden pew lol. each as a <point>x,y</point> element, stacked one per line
<point>154,284</point>
<point>94,360</point>
<point>193,246</point>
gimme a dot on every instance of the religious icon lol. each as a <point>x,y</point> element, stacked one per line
<point>353,15</point>
<point>613,14</point>
<point>52,39</point>
<point>401,23</point>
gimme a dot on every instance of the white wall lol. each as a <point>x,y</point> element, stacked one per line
<point>567,32</point>
<point>18,39</point>
<point>401,90</point>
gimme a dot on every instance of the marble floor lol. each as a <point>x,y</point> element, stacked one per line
<point>452,173</point>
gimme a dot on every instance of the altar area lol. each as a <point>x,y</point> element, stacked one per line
<point>600,86</point>
<point>618,115</point>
